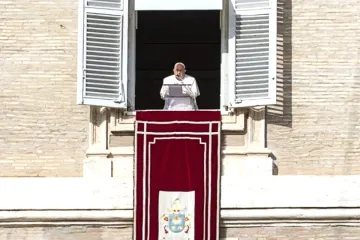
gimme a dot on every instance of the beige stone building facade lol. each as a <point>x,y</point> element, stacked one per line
<point>291,170</point>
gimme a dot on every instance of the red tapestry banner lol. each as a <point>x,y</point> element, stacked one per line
<point>177,174</point>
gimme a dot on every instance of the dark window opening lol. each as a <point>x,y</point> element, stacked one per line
<point>166,37</point>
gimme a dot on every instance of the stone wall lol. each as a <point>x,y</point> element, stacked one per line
<point>315,127</point>
<point>320,208</point>
<point>43,131</point>
<point>115,233</point>
<point>63,233</point>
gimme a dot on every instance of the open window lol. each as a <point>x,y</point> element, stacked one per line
<point>229,46</point>
<point>166,37</point>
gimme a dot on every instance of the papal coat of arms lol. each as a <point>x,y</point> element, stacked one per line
<point>176,220</point>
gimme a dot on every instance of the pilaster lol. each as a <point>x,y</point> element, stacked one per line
<point>258,160</point>
<point>97,163</point>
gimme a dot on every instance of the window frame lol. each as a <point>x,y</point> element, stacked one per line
<point>223,66</point>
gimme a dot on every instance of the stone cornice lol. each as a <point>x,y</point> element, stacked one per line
<point>227,150</point>
<point>237,192</point>
<point>229,217</point>
<point>121,122</point>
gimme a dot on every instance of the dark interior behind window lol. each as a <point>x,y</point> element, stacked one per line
<point>166,37</point>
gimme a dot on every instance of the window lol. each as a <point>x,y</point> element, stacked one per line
<point>192,37</point>
<point>124,54</point>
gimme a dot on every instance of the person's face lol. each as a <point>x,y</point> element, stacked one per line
<point>179,71</point>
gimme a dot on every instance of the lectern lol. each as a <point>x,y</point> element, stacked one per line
<point>177,174</point>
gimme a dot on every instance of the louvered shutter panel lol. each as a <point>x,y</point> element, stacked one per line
<point>104,58</point>
<point>253,51</point>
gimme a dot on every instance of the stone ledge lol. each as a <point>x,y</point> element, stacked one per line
<point>237,192</point>
<point>229,217</point>
<point>229,122</point>
<point>67,217</point>
<point>227,150</point>
<point>97,151</point>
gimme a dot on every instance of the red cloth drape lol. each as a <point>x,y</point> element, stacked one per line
<point>177,151</point>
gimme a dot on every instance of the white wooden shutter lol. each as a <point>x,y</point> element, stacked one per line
<point>252,49</point>
<point>103,53</point>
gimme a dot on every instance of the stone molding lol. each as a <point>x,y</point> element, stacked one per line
<point>237,192</point>
<point>229,217</point>
<point>125,122</point>
<point>245,201</point>
<point>226,150</point>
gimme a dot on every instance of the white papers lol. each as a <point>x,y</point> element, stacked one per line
<point>175,91</point>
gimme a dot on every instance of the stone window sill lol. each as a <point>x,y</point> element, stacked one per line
<point>120,122</point>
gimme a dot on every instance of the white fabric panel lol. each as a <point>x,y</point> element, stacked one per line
<point>178,5</point>
<point>177,215</point>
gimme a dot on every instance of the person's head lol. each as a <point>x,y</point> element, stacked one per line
<point>179,70</point>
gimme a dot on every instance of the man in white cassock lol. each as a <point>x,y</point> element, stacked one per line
<point>179,90</point>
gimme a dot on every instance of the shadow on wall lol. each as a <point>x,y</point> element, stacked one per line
<point>281,113</point>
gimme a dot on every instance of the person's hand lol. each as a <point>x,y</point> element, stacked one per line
<point>187,91</point>
<point>164,92</point>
